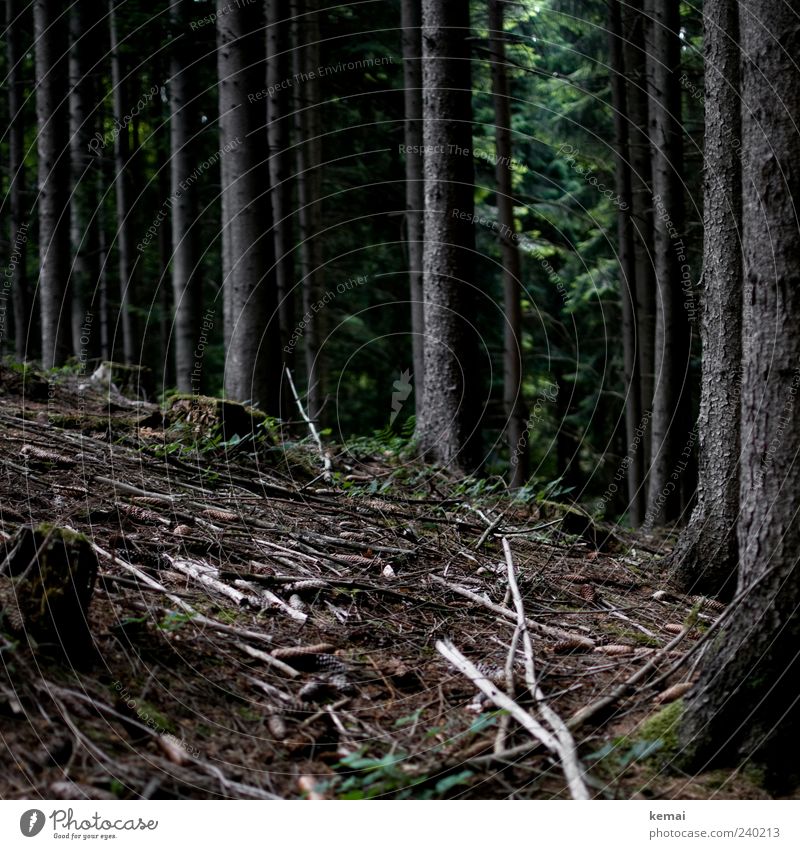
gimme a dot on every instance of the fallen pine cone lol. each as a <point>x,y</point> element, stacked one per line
<point>31,452</point>
<point>710,603</point>
<point>574,644</point>
<point>277,727</point>
<point>220,515</point>
<point>182,531</point>
<point>614,649</point>
<point>673,693</point>
<point>289,652</point>
<point>673,628</point>
<point>588,593</point>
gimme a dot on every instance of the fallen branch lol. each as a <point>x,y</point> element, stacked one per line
<point>537,731</point>
<point>510,615</point>
<point>326,460</point>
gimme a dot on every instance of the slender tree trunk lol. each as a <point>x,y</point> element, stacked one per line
<point>671,441</point>
<point>279,116</point>
<point>122,158</point>
<point>514,404</point>
<point>309,157</point>
<point>253,365</point>
<point>411,22</point>
<point>52,119</point>
<point>635,26</point>
<point>745,705</point>
<point>706,555</point>
<point>19,224</point>
<point>187,290</point>
<point>448,426</point>
<point>83,200</point>
<point>627,264</point>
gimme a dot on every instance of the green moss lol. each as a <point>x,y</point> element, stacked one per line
<point>663,726</point>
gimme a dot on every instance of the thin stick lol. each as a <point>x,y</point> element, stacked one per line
<point>537,731</point>
<point>510,615</point>
<point>567,750</point>
<point>326,460</point>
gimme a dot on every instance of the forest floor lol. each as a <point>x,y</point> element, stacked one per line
<point>260,632</point>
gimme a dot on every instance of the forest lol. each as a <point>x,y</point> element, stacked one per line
<point>397,399</point>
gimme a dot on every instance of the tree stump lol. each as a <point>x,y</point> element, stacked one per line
<point>46,584</point>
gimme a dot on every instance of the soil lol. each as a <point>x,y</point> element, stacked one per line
<point>260,632</point>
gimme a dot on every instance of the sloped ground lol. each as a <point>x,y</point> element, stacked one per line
<point>262,633</point>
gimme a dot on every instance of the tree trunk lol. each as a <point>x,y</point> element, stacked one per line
<point>514,404</point>
<point>671,443</point>
<point>187,289</point>
<point>706,555</point>
<point>83,200</point>
<point>635,26</point>
<point>447,429</point>
<point>16,282</point>
<point>52,119</point>
<point>279,116</point>
<point>745,703</point>
<point>122,158</point>
<point>253,365</point>
<point>627,264</point>
<point>309,157</point>
<point>411,22</point>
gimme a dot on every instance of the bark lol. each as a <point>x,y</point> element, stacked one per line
<point>309,157</point>
<point>124,238</point>
<point>187,284</point>
<point>447,429</point>
<point>745,704</point>
<point>84,196</point>
<point>634,58</point>
<point>411,22</point>
<point>671,442</point>
<point>52,119</point>
<point>18,224</point>
<point>627,263</point>
<point>279,117</point>
<point>514,404</point>
<point>706,555</point>
<point>253,366</point>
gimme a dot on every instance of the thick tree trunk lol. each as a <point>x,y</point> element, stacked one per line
<point>122,158</point>
<point>627,264</point>
<point>635,26</point>
<point>18,235</point>
<point>309,157</point>
<point>745,704</point>
<point>516,415</point>
<point>253,365</point>
<point>447,428</point>
<point>279,117</point>
<point>706,555</point>
<point>415,184</point>
<point>187,288</point>
<point>52,119</point>
<point>671,443</point>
